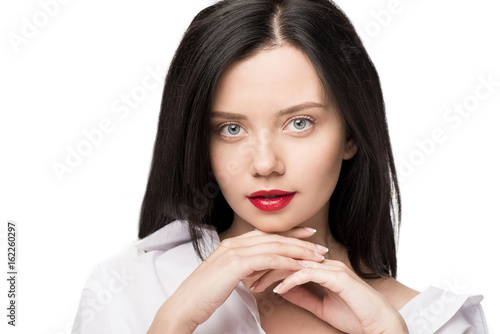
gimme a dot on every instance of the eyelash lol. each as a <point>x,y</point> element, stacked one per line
<point>308,118</point>
<point>223,125</point>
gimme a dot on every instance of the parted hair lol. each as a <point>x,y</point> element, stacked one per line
<point>365,207</point>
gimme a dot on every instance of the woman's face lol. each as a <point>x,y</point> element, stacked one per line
<point>273,129</point>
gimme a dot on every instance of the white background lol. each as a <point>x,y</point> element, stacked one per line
<point>66,77</point>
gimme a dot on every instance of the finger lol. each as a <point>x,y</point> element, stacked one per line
<point>256,273</point>
<point>340,282</point>
<point>305,299</point>
<point>276,275</point>
<point>333,265</point>
<point>263,262</point>
<point>263,238</point>
<point>299,232</point>
<point>334,280</point>
<point>269,278</point>
<point>283,249</point>
<point>316,305</point>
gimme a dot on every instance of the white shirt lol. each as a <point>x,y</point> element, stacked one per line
<point>123,296</point>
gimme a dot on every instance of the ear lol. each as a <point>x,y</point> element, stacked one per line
<point>350,148</point>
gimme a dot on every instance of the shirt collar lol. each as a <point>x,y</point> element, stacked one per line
<point>174,234</point>
<point>177,233</point>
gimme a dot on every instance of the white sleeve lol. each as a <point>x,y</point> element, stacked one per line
<point>442,312</point>
<point>92,315</point>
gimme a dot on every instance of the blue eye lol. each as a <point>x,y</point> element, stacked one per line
<point>231,130</point>
<point>299,124</point>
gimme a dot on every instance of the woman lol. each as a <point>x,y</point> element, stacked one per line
<point>272,203</point>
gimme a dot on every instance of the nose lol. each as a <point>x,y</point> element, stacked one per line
<point>266,160</point>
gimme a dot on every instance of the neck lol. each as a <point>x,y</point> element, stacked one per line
<point>336,251</point>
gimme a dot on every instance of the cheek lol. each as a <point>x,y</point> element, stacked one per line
<point>226,163</point>
<point>316,166</point>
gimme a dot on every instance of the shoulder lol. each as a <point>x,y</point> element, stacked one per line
<point>161,260</point>
<point>434,310</point>
<point>442,311</point>
<point>109,297</point>
<point>153,258</point>
<point>123,295</point>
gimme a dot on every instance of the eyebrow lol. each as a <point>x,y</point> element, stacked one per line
<point>286,111</point>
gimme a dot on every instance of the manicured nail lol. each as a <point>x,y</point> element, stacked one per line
<point>303,264</point>
<point>310,229</point>
<point>322,248</point>
<point>254,284</point>
<point>277,288</point>
<point>319,256</point>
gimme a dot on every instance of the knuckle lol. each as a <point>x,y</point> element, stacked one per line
<point>276,244</point>
<point>343,276</point>
<point>306,271</point>
<point>227,243</point>
<point>276,261</point>
<point>233,260</point>
<point>227,255</point>
<point>342,265</point>
<point>301,274</point>
<point>269,258</point>
<point>275,238</point>
<point>231,253</point>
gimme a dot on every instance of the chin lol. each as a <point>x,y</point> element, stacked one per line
<point>274,227</point>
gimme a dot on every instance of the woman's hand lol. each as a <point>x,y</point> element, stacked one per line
<point>197,298</point>
<point>349,303</point>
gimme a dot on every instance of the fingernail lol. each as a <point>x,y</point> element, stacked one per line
<point>254,284</point>
<point>319,256</point>
<point>310,229</point>
<point>322,248</point>
<point>277,288</point>
<point>303,264</point>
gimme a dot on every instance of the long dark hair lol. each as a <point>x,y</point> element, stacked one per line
<point>365,208</point>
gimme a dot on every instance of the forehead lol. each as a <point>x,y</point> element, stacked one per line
<point>276,77</point>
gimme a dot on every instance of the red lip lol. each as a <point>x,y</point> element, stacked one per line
<point>279,201</point>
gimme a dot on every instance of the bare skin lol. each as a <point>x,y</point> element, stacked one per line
<point>273,128</point>
<point>280,316</point>
<point>344,302</point>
